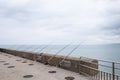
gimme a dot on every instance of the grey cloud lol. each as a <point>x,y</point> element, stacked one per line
<point>13,13</point>
<point>25,14</point>
<point>112,27</point>
<point>66,19</point>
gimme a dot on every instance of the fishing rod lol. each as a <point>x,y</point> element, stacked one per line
<point>22,46</point>
<point>70,53</point>
<point>36,49</point>
<point>32,48</point>
<point>44,48</point>
<point>29,47</point>
<point>19,46</point>
<point>14,47</point>
<point>10,46</point>
<point>35,57</point>
<point>57,53</point>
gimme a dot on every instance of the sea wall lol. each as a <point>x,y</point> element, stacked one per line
<point>70,63</point>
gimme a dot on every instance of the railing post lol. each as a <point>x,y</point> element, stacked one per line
<point>113,71</point>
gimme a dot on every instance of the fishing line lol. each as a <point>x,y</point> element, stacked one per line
<point>58,52</point>
<point>70,53</point>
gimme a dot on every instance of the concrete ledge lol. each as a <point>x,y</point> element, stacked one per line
<point>70,63</point>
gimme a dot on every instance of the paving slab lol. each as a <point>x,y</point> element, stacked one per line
<point>13,68</point>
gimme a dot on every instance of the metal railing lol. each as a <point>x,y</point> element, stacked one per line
<point>104,71</point>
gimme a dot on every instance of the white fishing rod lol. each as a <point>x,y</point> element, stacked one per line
<point>58,52</point>
<point>27,48</point>
<point>14,47</point>
<point>70,53</point>
<point>43,48</point>
<point>40,51</point>
<point>18,47</point>
<point>10,47</point>
<point>46,46</point>
<point>35,50</point>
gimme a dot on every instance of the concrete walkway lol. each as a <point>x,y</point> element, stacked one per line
<point>38,70</point>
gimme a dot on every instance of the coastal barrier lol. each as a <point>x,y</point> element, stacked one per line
<point>70,63</point>
<point>95,69</point>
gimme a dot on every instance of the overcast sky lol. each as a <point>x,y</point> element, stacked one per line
<point>61,21</point>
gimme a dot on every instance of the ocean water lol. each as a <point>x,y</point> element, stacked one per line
<point>109,52</point>
<point>106,52</point>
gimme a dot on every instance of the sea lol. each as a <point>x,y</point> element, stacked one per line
<point>108,52</point>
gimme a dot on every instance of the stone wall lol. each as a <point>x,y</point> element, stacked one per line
<point>70,63</point>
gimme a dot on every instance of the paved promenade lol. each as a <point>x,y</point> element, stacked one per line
<point>16,68</point>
